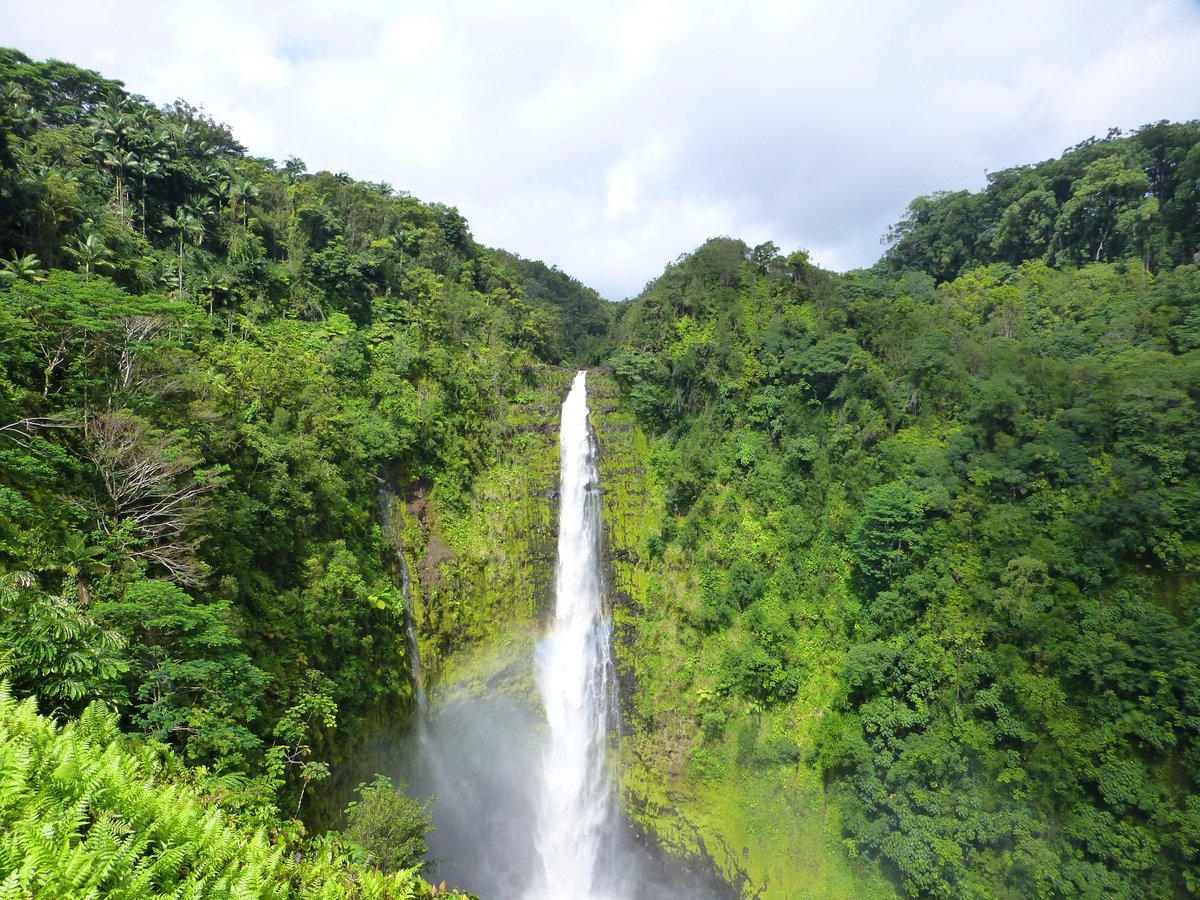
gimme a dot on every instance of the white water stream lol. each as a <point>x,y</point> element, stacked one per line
<point>573,677</point>
<point>529,813</point>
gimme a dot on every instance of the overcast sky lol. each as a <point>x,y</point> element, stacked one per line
<point>610,137</point>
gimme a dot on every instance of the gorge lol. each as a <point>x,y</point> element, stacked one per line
<point>525,796</point>
<point>888,579</point>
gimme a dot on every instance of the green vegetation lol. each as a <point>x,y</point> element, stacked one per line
<point>903,561</point>
<point>1124,197</point>
<point>926,554</point>
<point>88,811</point>
<point>486,556</point>
<point>212,368</point>
<point>390,825</point>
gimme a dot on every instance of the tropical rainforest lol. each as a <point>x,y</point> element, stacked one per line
<point>904,560</point>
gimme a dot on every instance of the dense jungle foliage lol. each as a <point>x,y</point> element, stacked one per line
<point>966,498</point>
<point>1124,197</point>
<point>211,366</point>
<point>926,533</point>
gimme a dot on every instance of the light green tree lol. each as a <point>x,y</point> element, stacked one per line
<point>21,268</point>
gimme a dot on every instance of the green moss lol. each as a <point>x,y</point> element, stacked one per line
<point>743,795</point>
<point>483,562</point>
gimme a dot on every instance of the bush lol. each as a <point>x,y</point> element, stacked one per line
<point>716,611</point>
<point>746,584</point>
<point>390,825</point>
<point>712,725</point>
<point>778,752</point>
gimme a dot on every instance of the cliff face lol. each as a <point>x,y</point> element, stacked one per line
<point>655,736</point>
<point>769,831</point>
<point>483,575</point>
<point>483,563</point>
<point>631,510</point>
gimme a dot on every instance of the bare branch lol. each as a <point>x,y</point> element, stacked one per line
<point>135,330</point>
<point>151,485</point>
<point>23,431</point>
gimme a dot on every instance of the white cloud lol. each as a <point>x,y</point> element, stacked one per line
<point>609,138</point>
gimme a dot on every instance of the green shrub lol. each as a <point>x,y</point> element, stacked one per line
<point>390,825</point>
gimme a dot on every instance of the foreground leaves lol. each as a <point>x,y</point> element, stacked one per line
<point>85,812</point>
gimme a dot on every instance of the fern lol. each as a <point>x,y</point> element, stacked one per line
<point>87,812</point>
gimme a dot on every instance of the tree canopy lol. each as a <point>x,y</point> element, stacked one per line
<point>919,539</point>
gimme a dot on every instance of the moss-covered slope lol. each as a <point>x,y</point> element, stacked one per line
<point>766,827</point>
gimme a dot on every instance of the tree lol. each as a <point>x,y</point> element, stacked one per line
<point>91,252</point>
<point>242,191</point>
<point>21,268</point>
<point>187,226</point>
<point>53,649</point>
<point>389,824</point>
<point>888,534</point>
<point>1088,226</point>
<point>156,493</point>
<point>1026,227</point>
<point>313,714</point>
<point>194,684</point>
<point>938,234</point>
<point>145,168</point>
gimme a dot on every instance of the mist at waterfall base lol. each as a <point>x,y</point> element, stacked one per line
<point>482,759</point>
<point>525,807</point>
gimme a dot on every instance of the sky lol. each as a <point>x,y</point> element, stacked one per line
<point>610,137</point>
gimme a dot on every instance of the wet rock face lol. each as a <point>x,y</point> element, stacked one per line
<point>483,561</point>
<point>624,637</point>
<point>627,513</point>
<point>436,553</point>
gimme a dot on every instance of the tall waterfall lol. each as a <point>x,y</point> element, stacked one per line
<point>573,676</point>
<point>524,811</point>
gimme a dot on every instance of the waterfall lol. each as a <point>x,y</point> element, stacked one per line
<point>410,629</point>
<point>528,812</point>
<point>573,674</point>
<point>393,535</point>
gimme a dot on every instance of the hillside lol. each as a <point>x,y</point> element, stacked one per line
<point>213,370</point>
<point>902,561</point>
<point>922,574</point>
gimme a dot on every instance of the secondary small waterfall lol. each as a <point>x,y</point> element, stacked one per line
<point>393,534</point>
<point>410,630</point>
<point>573,677</point>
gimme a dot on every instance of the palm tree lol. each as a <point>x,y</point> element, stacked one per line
<point>82,562</point>
<point>214,286</point>
<point>243,191</point>
<point>91,252</point>
<point>17,103</point>
<point>144,122</point>
<point>201,205</point>
<point>187,226</point>
<point>146,168</point>
<point>221,190</point>
<point>293,169</point>
<point>120,162</point>
<point>21,268</point>
<point>158,272</point>
<point>167,140</point>
<point>110,122</point>
<point>210,174</point>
